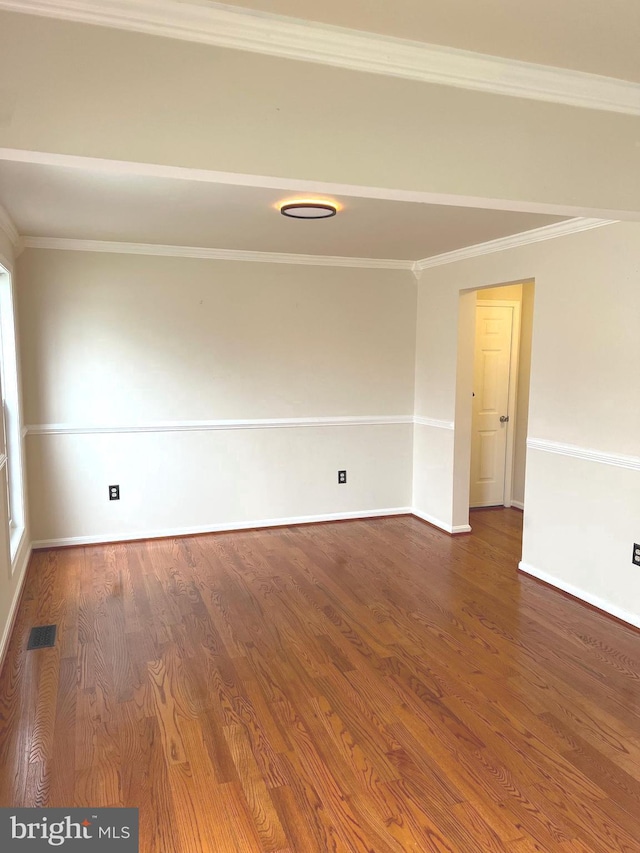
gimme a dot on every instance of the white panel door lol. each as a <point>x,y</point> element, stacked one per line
<point>492,365</point>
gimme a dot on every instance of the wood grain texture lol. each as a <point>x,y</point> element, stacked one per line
<point>370,686</point>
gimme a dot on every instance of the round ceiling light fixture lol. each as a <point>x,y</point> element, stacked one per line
<point>309,209</point>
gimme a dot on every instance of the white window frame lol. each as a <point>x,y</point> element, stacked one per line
<point>11,415</point>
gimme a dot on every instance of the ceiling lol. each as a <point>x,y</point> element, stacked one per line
<point>67,202</point>
<point>585,35</point>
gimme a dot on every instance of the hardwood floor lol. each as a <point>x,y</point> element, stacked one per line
<point>360,686</point>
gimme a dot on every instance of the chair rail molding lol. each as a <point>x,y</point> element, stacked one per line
<point>207,426</point>
<point>433,422</point>
<point>586,453</point>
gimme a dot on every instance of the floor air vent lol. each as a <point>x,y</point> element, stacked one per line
<point>42,637</point>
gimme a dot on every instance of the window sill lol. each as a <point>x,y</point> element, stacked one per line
<point>15,541</point>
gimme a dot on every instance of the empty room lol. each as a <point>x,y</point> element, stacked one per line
<point>320,436</point>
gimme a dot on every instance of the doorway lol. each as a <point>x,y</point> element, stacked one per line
<point>503,326</point>
<point>495,380</point>
<point>508,451</point>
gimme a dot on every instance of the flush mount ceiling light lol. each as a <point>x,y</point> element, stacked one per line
<point>309,209</point>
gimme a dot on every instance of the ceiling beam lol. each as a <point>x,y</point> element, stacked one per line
<point>290,38</point>
<point>137,169</point>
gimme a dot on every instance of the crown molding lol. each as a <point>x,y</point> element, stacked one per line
<point>291,38</point>
<point>211,254</point>
<point>537,235</point>
<point>8,227</point>
<point>525,238</point>
<point>616,459</point>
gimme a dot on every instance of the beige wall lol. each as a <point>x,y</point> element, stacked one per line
<point>108,338</point>
<point>124,340</point>
<point>95,91</point>
<point>581,515</point>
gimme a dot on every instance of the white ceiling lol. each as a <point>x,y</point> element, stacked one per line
<point>596,36</point>
<point>57,201</point>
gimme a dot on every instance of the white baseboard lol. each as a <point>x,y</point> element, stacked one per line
<point>576,592</point>
<point>21,573</point>
<point>430,519</point>
<point>101,538</point>
<point>518,505</point>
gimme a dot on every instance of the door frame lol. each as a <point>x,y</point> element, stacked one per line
<point>512,407</point>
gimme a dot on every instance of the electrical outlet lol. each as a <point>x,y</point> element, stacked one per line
<point>636,554</point>
<point>342,477</point>
<point>114,493</point>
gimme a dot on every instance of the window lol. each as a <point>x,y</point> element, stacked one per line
<point>12,429</point>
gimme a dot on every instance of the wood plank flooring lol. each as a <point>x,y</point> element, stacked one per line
<point>360,686</point>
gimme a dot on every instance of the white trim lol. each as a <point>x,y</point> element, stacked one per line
<point>517,504</point>
<point>620,461</point>
<point>14,446</point>
<point>231,424</point>
<point>223,527</point>
<point>443,525</point>
<point>7,225</point>
<point>20,571</point>
<point>210,254</point>
<point>16,541</point>
<point>206,426</point>
<point>291,38</point>
<point>209,176</point>
<point>433,422</point>
<point>6,264</point>
<point>577,592</point>
<point>536,235</point>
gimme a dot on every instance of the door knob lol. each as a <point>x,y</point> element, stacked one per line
<point>504,419</point>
